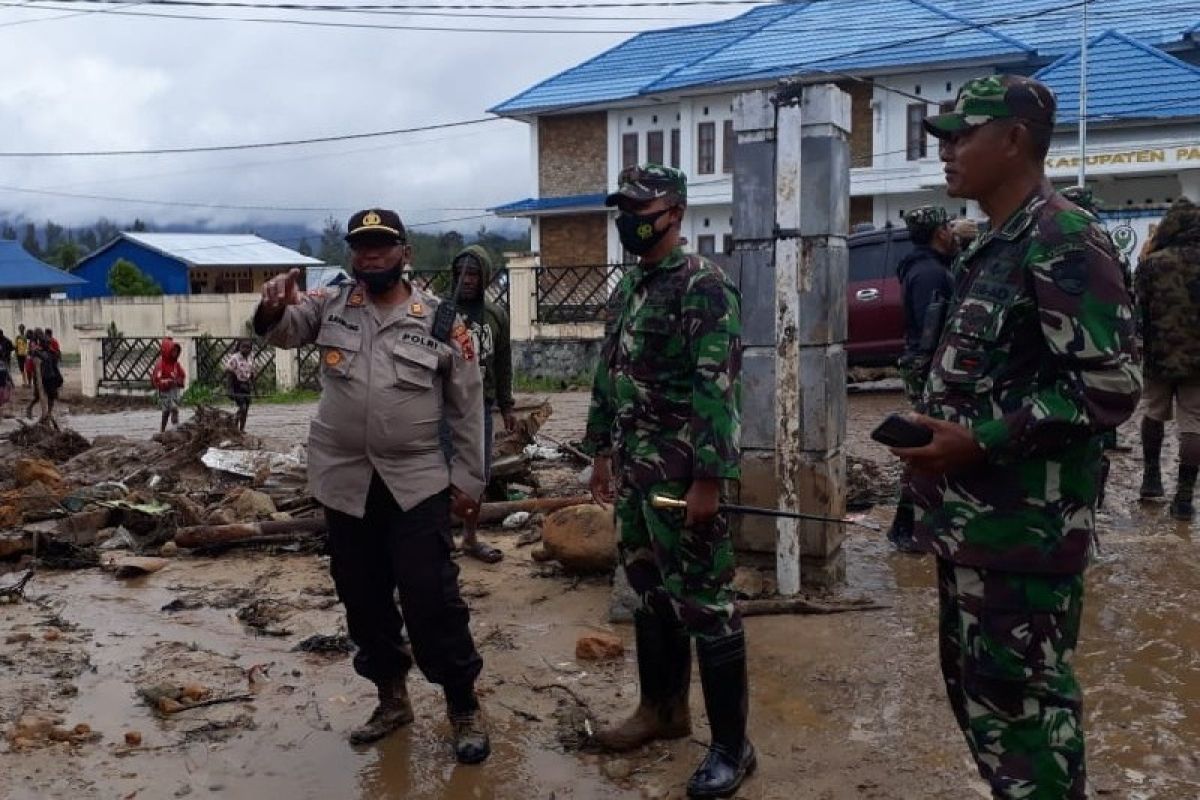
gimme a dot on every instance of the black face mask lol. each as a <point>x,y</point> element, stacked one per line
<point>637,232</point>
<point>378,281</point>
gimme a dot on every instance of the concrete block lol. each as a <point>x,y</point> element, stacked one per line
<point>821,277</point>
<point>758,295</point>
<point>825,191</point>
<point>758,398</point>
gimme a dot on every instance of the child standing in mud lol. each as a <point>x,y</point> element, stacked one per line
<point>239,368</point>
<point>168,378</point>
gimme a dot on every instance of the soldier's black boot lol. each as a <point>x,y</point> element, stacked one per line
<point>664,654</point>
<point>901,533</point>
<point>1105,469</point>
<point>1181,507</point>
<point>730,757</point>
<point>471,742</point>
<point>394,711</point>
<point>1152,439</point>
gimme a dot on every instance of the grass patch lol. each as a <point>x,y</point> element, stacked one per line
<point>292,396</point>
<point>203,394</point>
<point>533,384</point>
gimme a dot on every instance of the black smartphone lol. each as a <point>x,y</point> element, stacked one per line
<point>899,431</point>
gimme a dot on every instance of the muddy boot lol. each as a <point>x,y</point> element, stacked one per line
<point>664,654</point>
<point>901,532</point>
<point>1181,507</point>
<point>471,743</point>
<point>730,756</point>
<point>394,711</point>
<point>1152,485</point>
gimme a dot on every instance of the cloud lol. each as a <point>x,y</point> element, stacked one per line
<point>102,81</point>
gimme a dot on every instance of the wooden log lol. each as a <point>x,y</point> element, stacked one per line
<point>496,512</point>
<point>205,535</point>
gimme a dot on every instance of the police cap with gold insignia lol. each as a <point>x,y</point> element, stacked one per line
<point>380,224</point>
<point>645,183</point>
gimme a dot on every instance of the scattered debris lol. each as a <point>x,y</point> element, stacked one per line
<point>134,566</point>
<point>321,643</point>
<point>599,647</point>
<point>57,445</point>
<point>16,591</point>
<point>516,520</point>
<point>265,616</point>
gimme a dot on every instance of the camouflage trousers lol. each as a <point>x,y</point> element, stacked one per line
<point>678,572</point>
<point>1006,644</point>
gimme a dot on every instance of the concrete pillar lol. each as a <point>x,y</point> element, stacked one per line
<point>91,358</point>
<point>522,295</point>
<point>791,264</point>
<point>185,336</point>
<point>287,369</point>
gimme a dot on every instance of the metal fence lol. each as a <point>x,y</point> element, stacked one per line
<point>438,282</point>
<point>575,294</point>
<point>128,361</point>
<point>211,353</point>
<point>308,367</point>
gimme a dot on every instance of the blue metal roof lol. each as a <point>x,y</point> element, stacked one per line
<point>811,36</point>
<point>533,205</point>
<point>1126,80</point>
<point>1053,26</point>
<point>20,271</point>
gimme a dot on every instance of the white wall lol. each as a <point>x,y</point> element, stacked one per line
<point>219,315</point>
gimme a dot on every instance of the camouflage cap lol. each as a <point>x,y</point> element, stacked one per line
<point>983,100</point>
<point>648,181</point>
<point>926,218</point>
<point>1082,197</point>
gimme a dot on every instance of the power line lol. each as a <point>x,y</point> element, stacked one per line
<point>251,146</point>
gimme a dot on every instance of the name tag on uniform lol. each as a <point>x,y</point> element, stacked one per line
<point>337,319</point>
<point>419,339</point>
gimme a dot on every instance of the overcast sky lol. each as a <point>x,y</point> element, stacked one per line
<point>114,81</point>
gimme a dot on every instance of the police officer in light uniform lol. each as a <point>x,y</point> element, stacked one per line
<point>391,366</point>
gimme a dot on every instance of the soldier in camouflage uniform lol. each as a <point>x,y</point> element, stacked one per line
<point>926,286</point>
<point>664,419</point>
<point>1168,288</point>
<point>1087,200</point>
<point>1036,359</point>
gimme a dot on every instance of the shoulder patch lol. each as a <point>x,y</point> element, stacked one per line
<point>462,336</point>
<point>1070,276</point>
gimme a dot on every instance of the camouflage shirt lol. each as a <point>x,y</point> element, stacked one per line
<point>1037,357</point>
<point>667,391</point>
<point>1168,289</point>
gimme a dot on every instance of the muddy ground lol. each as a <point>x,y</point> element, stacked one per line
<point>844,706</point>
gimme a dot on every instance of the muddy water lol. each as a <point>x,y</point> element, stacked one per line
<point>847,706</point>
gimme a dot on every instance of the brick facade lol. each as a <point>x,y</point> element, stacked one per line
<point>568,240</point>
<point>862,122</point>
<point>572,155</point>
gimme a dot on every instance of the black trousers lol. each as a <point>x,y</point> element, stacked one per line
<point>390,549</point>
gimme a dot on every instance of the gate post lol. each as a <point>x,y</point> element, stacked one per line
<point>91,358</point>
<point>287,369</point>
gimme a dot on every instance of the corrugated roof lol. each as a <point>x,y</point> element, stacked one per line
<point>537,204</point>
<point>1126,80</point>
<point>811,36</point>
<point>1053,26</point>
<point>20,271</point>
<point>221,249</point>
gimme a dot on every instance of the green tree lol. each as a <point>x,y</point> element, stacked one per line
<point>138,226</point>
<point>54,235</point>
<point>126,280</point>
<point>304,249</point>
<point>9,232</point>
<point>30,241</point>
<point>65,255</point>
<point>333,250</point>
<point>105,231</point>
<point>87,240</point>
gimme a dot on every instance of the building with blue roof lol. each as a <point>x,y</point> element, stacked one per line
<point>667,96</point>
<point>22,276</point>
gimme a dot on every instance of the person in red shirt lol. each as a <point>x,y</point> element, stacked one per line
<point>168,378</point>
<point>52,343</point>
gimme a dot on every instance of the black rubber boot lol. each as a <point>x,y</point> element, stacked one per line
<point>901,533</point>
<point>1182,508</point>
<point>730,756</point>
<point>394,711</point>
<point>1152,440</point>
<point>664,654</point>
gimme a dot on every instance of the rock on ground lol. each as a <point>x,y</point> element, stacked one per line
<point>581,538</point>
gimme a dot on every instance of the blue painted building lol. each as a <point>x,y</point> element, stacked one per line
<point>22,276</point>
<point>667,95</point>
<point>190,263</point>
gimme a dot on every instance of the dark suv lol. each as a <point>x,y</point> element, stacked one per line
<point>874,303</point>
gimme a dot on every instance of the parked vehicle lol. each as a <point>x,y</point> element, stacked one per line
<point>874,303</point>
